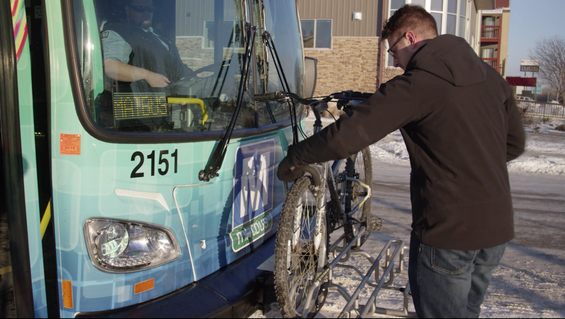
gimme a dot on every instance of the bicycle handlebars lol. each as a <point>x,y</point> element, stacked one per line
<point>343,98</point>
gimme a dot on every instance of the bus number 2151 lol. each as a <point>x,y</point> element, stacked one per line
<point>162,166</point>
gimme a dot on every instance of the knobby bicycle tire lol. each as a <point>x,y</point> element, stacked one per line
<point>359,166</point>
<point>296,261</point>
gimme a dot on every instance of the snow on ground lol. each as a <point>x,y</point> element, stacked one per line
<point>545,150</point>
<point>530,281</point>
<point>543,154</point>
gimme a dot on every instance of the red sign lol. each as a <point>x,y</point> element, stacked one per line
<point>521,81</point>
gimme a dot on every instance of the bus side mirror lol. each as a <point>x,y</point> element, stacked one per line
<point>310,76</point>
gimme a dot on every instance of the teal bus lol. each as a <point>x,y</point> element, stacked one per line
<point>126,196</point>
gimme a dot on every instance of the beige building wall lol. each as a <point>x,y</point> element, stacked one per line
<point>502,19</point>
<point>504,34</point>
<point>341,12</point>
<point>351,64</point>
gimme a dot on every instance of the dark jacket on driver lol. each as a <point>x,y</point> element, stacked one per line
<point>460,124</point>
<point>148,52</point>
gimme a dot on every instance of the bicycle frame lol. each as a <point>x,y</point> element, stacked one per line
<point>327,175</point>
<point>321,197</point>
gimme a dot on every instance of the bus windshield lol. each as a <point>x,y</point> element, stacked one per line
<point>176,65</point>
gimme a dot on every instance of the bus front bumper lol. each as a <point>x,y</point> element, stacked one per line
<point>234,291</point>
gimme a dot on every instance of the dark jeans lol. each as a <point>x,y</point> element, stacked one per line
<point>450,283</point>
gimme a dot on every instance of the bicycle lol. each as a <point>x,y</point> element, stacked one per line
<point>307,218</point>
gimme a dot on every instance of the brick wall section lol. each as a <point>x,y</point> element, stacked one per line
<point>390,73</point>
<point>192,53</point>
<point>351,64</point>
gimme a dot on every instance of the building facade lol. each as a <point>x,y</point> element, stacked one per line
<point>495,25</point>
<point>344,35</point>
<point>347,47</point>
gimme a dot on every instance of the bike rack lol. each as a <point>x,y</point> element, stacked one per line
<point>391,253</point>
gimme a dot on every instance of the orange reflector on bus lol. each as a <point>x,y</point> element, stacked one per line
<point>144,286</point>
<point>67,294</point>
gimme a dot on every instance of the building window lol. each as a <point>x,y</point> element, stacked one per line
<point>450,16</point>
<point>487,53</point>
<point>317,34</point>
<point>462,18</point>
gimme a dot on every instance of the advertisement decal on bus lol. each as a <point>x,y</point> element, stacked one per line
<point>253,193</point>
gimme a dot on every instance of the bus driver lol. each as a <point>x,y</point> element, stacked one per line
<point>136,56</point>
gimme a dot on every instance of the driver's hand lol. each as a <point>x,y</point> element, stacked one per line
<point>157,80</point>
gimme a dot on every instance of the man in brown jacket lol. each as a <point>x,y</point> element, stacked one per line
<point>461,125</point>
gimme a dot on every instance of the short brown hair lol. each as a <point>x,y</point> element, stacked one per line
<point>413,17</point>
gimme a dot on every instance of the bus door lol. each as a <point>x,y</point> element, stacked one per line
<point>22,278</point>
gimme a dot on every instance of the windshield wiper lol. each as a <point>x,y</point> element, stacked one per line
<point>270,44</point>
<point>215,162</point>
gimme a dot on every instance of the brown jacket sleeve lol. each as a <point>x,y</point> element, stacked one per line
<point>516,138</point>
<point>389,109</point>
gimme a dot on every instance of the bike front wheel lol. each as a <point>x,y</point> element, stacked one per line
<point>300,252</point>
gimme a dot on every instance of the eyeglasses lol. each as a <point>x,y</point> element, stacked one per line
<point>140,9</point>
<point>395,43</point>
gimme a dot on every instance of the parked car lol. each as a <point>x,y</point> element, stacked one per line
<point>524,98</point>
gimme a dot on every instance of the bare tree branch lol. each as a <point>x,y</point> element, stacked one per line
<point>551,54</point>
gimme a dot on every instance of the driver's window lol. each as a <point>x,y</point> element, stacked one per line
<point>169,65</point>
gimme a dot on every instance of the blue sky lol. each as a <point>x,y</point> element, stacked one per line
<point>531,20</point>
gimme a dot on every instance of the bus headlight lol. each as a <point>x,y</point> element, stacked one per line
<point>120,246</point>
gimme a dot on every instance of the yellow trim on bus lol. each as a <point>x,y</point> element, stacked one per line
<point>46,218</point>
